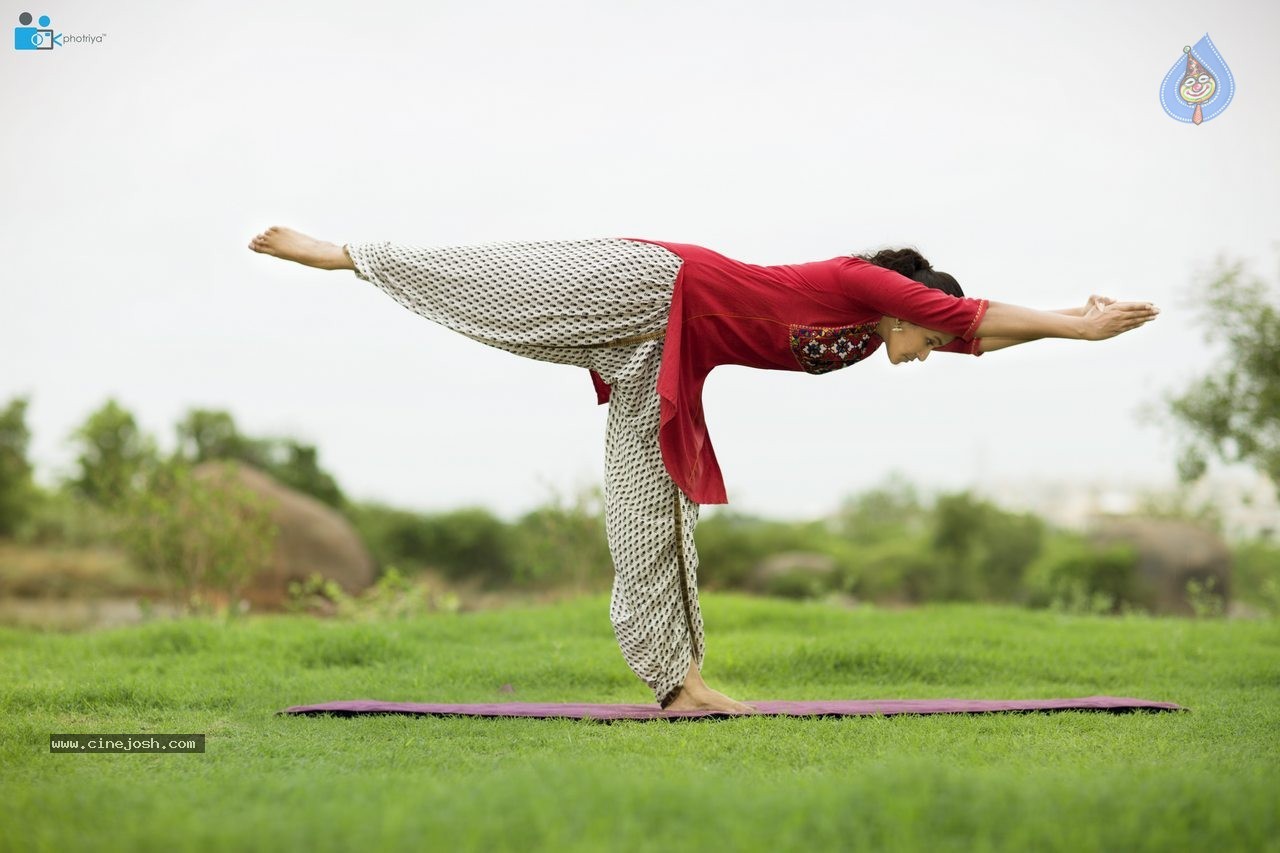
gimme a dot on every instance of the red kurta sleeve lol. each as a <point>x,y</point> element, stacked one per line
<point>891,294</point>
<point>960,345</point>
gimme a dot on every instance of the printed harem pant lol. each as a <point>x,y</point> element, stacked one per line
<point>600,304</point>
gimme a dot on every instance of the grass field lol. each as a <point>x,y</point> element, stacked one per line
<point>1205,780</point>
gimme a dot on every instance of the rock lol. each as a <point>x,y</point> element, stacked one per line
<point>313,538</point>
<point>1170,553</point>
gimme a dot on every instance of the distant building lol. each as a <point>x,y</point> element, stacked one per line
<point>1245,502</point>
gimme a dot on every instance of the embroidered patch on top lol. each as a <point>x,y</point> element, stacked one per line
<point>822,349</point>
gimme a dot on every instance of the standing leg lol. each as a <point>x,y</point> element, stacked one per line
<point>650,523</point>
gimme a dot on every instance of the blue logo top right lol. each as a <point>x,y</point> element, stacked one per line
<point>1199,85</point>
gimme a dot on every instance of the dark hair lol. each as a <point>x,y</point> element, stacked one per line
<point>913,265</point>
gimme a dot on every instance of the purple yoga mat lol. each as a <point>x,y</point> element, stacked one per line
<point>824,708</point>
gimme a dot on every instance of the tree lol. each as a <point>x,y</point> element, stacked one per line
<point>986,550</point>
<point>17,487</point>
<point>206,434</point>
<point>113,454</point>
<point>300,469</point>
<point>1233,413</point>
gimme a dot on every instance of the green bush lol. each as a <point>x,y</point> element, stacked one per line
<point>897,570</point>
<point>798,584</point>
<point>393,596</point>
<point>727,550</point>
<point>393,536</point>
<point>468,543</point>
<point>198,535</point>
<point>18,490</point>
<point>892,511</point>
<point>563,543</point>
<point>1075,575</point>
<point>1256,574</point>
<point>986,550</point>
<point>732,544</point>
<point>65,518</point>
<point>1206,600</point>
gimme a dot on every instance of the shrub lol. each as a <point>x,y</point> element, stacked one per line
<point>903,569</point>
<point>1073,574</point>
<point>465,543</point>
<point>563,543</point>
<point>892,510</point>
<point>64,517</point>
<point>727,551</point>
<point>393,596</point>
<point>393,536</point>
<point>1205,599</point>
<point>986,549</point>
<point>731,546</point>
<point>1256,574</point>
<point>198,535</point>
<point>798,584</point>
<point>17,487</point>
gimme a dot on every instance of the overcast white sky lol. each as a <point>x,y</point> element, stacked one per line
<point>1020,146</point>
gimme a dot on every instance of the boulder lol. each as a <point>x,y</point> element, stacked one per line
<point>314,538</point>
<point>1169,554</point>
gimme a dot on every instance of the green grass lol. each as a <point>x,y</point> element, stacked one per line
<point>1068,781</point>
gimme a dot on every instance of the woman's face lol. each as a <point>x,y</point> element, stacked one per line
<point>913,343</point>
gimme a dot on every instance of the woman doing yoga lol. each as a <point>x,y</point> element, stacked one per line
<point>650,319</point>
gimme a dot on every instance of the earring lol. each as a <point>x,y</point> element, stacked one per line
<point>897,325</point>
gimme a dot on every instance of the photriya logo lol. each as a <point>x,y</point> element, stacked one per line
<point>27,37</point>
<point>34,38</point>
<point>1199,85</point>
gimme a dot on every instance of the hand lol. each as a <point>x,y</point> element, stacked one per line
<point>1105,318</point>
<point>1095,299</point>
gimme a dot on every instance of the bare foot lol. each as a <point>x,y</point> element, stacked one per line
<point>291,245</point>
<point>700,697</point>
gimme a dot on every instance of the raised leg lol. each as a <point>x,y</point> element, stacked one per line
<point>291,245</point>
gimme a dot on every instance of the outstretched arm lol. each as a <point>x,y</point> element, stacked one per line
<point>1098,321</point>
<point>990,344</point>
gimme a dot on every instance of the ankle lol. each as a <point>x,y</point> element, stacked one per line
<point>344,257</point>
<point>693,678</point>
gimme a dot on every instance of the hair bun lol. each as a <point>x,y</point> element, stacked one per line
<point>919,261</point>
<point>905,261</point>
<point>910,263</point>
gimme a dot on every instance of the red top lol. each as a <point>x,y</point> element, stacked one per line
<point>816,317</point>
